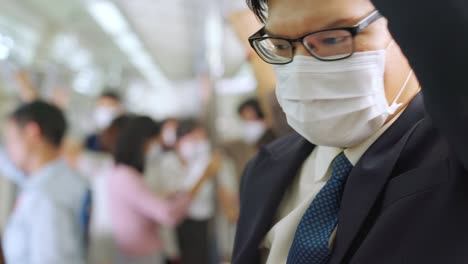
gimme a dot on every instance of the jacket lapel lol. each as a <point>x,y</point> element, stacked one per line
<point>368,179</point>
<point>267,181</point>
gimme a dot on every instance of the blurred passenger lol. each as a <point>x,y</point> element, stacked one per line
<point>168,133</point>
<point>280,124</point>
<point>255,129</point>
<point>228,203</point>
<point>256,133</point>
<point>98,166</point>
<point>108,106</point>
<point>158,182</point>
<point>50,219</point>
<point>194,234</point>
<point>137,213</point>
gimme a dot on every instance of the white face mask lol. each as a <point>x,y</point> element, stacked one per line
<point>169,137</point>
<point>253,131</point>
<point>154,151</point>
<point>103,116</point>
<point>193,151</point>
<point>339,103</point>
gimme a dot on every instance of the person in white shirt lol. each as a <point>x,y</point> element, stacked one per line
<point>182,169</point>
<point>50,220</point>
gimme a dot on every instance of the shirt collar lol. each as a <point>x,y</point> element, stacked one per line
<point>40,177</point>
<point>323,160</point>
<point>326,155</point>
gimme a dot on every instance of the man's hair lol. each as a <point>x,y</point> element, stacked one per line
<point>132,140</point>
<point>186,127</point>
<point>112,95</point>
<point>254,104</point>
<point>49,118</point>
<point>259,7</point>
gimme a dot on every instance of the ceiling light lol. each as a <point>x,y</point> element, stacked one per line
<point>108,16</point>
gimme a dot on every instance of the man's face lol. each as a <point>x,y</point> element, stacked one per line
<point>296,18</point>
<point>195,137</point>
<point>193,145</point>
<point>108,102</point>
<point>107,109</point>
<point>18,143</point>
<point>249,114</point>
<point>168,133</point>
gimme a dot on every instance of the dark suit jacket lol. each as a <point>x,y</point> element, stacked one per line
<point>267,137</point>
<point>406,201</point>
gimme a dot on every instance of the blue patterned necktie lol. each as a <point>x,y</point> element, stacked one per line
<point>310,244</point>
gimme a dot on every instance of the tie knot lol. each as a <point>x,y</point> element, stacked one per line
<point>341,166</point>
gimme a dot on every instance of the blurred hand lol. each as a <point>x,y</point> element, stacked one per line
<point>179,204</point>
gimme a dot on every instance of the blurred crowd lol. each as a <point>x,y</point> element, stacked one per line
<point>137,190</point>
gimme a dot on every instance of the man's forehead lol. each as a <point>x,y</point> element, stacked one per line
<point>292,18</point>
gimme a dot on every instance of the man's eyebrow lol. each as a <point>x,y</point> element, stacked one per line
<point>343,22</point>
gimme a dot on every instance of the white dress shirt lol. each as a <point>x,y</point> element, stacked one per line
<point>313,176</point>
<point>45,226</point>
<point>184,177</point>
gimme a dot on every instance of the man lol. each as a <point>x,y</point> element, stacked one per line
<point>49,221</point>
<point>370,177</point>
<point>108,106</point>
<point>169,133</point>
<point>194,152</point>
<point>255,129</point>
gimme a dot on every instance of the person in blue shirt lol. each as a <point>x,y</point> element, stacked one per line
<point>48,223</point>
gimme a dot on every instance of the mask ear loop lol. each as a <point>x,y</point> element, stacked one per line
<point>396,105</point>
<point>390,44</point>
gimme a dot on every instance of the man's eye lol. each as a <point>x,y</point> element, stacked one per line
<point>334,41</point>
<point>281,47</point>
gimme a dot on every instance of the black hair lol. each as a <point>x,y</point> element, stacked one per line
<point>48,117</point>
<point>133,139</point>
<point>254,104</point>
<point>186,127</point>
<point>108,138</point>
<point>259,7</point>
<point>112,95</point>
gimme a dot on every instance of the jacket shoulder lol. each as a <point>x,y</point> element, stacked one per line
<point>279,149</point>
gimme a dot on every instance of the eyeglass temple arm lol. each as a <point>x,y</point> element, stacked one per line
<point>368,20</point>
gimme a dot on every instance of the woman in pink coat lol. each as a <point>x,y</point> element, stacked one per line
<point>137,213</point>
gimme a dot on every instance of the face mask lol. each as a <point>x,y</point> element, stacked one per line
<point>103,116</point>
<point>154,152</point>
<point>192,151</point>
<point>339,103</point>
<point>253,131</point>
<point>169,137</point>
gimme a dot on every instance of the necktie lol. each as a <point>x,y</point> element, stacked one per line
<point>310,244</point>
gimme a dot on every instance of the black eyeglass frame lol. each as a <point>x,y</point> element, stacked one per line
<point>354,30</point>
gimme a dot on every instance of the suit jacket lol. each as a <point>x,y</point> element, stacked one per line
<point>406,201</point>
<point>267,137</point>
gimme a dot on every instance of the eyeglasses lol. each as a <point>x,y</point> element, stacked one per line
<point>325,45</point>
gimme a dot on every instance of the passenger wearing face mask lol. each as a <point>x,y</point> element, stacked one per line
<point>98,167</point>
<point>160,182</point>
<point>108,107</point>
<point>370,176</point>
<point>137,213</point>
<point>169,133</point>
<point>255,130</point>
<point>183,170</point>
